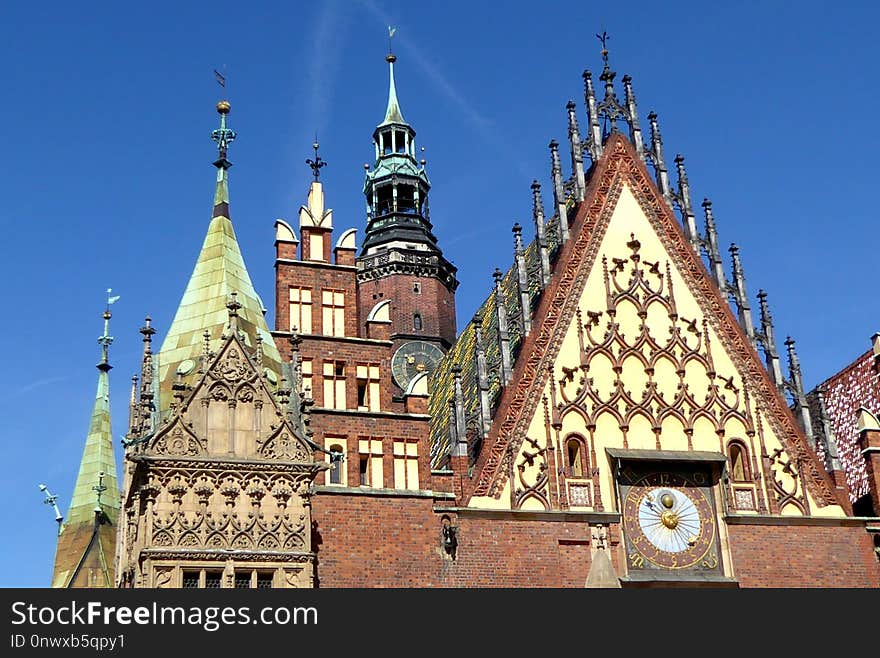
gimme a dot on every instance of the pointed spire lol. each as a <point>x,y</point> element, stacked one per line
<point>540,235</point>
<point>219,270</point>
<point>522,278</point>
<point>635,132</point>
<point>769,341</point>
<point>829,439</point>
<point>558,190</point>
<point>796,388</point>
<point>503,332</point>
<point>595,139</point>
<point>684,202</point>
<point>660,170</point>
<point>89,510</point>
<point>577,155</point>
<point>715,263</point>
<point>392,113</point>
<point>740,296</point>
<point>482,374</point>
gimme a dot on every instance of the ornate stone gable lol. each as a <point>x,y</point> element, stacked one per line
<point>223,484</point>
<point>515,421</point>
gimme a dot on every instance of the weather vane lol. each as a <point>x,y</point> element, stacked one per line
<point>317,163</point>
<point>604,38</point>
<point>391,31</point>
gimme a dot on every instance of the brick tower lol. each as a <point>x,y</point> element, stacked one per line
<point>400,260</point>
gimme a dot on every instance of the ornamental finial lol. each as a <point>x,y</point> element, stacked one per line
<point>317,163</point>
<point>223,136</point>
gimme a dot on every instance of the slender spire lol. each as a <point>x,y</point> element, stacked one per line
<point>715,262</point>
<point>577,156</point>
<point>796,388</point>
<point>740,296</point>
<point>657,158</point>
<point>540,233</point>
<point>392,113</point>
<point>684,203</point>
<point>219,270</point>
<point>768,339</point>
<point>558,190</point>
<point>88,534</point>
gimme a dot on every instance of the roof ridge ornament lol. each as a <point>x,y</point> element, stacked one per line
<point>223,136</point>
<point>317,163</point>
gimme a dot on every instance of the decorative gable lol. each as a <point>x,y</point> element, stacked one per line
<point>633,348</point>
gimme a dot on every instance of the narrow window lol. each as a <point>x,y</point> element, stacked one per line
<point>417,288</point>
<point>368,387</point>
<point>306,371</point>
<point>575,467</point>
<point>739,470</point>
<point>336,467</point>
<point>364,467</point>
<point>242,580</point>
<point>333,312</point>
<point>264,580</point>
<point>213,579</point>
<point>334,385</point>
<point>417,321</point>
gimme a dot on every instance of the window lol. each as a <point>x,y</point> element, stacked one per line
<point>213,579</point>
<point>368,398</point>
<point>370,462</point>
<point>264,580</point>
<point>406,465</point>
<point>574,462</point>
<point>417,321</point>
<point>334,384</point>
<point>301,310</point>
<point>417,287</point>
<point>333,307</point>
<point>242,580</point>
<point>191,579</point>
<point>336,468</point>
<point>306,369</point>
<point>739,466</point>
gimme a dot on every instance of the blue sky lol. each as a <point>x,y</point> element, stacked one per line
<point>108,107</point>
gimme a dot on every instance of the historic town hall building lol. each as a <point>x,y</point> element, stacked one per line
<point>613,415</point>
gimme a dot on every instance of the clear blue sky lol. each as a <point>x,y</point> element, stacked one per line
<point>105,124</point>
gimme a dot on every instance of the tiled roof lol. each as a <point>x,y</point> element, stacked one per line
<point>462,352</point>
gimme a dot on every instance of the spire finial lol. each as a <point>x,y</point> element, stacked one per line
<point>317,163</point>
<point>105,340</point>
<point>392,113</point>
<point>223,136</point>
<point>604,39</point>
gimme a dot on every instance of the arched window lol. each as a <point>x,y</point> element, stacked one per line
<point>417,321</point>
<point>574,460</point>
<point>738,457</point>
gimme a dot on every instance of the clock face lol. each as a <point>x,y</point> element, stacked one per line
<point>669,520</point>
<point>413,358</point>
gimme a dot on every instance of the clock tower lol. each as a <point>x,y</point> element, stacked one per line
<point>400,261</point>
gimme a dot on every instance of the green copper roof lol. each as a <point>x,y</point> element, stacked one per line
<point>393,113</point>
<point>97,458</point>
<point>219,271</point>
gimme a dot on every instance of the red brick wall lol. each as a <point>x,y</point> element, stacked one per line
<point>369,541</point>
<point>316,276</point>
<point>803,556</point>
<point>435,303</point>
